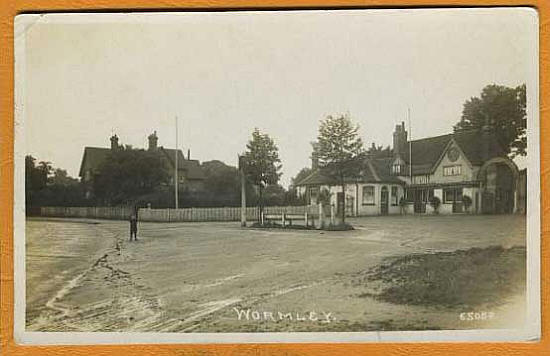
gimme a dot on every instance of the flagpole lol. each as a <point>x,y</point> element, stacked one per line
<point>176,183</point>
<point>410,144</point>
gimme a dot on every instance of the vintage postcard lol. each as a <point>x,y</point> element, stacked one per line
<point>277,176</point>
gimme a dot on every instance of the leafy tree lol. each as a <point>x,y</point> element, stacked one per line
<point>61,190</point>
<point>274,195</point>
<point>46,186</point>
<point>221,187</point>
<point>36,178</point>
<point>221,179</point>
<point>338,147</point>
<point>61,177</point>
<point>262,163</point>
<point>128,173</point>
<point>379,151</point>
<point>504,109</point>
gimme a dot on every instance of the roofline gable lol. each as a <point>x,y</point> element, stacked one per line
<point>444,152</point>
<point>80,171</point>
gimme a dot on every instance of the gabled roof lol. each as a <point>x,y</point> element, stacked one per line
<point>373,170</point>
<point>427,151</point>
<point>192,168</point>
<point>476,146</point>
<point>94,156</point>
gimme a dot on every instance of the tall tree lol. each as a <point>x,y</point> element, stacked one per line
<point>128,173</point>
<point>46,186</point>
<point>338,147</point>
<point>504,109</point>
<point>36,177</point>
<point>262,163</point>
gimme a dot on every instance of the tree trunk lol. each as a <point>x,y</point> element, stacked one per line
<point>261,203</point>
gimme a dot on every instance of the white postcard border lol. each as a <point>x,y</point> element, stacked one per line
<point>531,332</point>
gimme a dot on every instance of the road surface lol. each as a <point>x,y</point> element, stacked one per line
<point>84,275</point>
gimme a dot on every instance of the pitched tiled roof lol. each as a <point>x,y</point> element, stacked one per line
<point>192,167</point>
<point>373,170</point>
<point>427,151</point>
<point>383,167</point>
<point>477,146</point>
<point>94,156</point>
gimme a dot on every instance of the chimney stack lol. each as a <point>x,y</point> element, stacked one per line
<point>399,139</point>
<point>153,141</point>
<point>114,142</point>
<point>314,157</point>
<point>188,154</point>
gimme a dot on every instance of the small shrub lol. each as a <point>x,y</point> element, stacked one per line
<point>435,202</point>
<point>467,201</point>
<point>402,204</point>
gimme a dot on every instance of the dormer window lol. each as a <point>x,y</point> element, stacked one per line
<point>396,169</point>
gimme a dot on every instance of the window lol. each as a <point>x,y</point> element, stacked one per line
<point>452,195</point>
<point>396,169</point>
<point>425,179</point>
<point>314,192</point>
<point>368,195</point>
<point>452,170</point>
<point>394,200</point>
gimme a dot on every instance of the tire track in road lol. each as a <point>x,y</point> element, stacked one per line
<point>126,307</point>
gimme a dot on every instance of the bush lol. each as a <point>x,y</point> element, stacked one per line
<point>402,204</point>
<point>435,202</point>
<point>467,201</point>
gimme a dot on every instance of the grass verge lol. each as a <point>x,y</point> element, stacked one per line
<point>452,279</point>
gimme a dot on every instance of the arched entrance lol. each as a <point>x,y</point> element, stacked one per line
<point>499,179</point>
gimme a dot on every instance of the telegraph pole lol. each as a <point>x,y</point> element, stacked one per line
<point>176,183</point>
<point>410,145</point>
<point>243,191</point>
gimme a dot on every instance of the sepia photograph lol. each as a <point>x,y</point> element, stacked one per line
<point>277,176</point>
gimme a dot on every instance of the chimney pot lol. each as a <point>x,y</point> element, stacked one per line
<point>153,140</point>
<point>114,142</point>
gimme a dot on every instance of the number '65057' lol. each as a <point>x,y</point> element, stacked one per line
<point>470,316</point>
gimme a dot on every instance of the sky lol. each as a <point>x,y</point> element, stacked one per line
<point>223,74</point>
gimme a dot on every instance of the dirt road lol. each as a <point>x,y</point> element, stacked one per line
<point>85,275</point>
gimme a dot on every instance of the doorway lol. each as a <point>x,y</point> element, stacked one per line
<point>339,203</point>
<point>384,198</point>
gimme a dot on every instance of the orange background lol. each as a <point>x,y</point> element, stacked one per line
<point>10,8</point>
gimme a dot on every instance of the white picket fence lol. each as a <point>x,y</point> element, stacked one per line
<point>94,212</point>
<point>173,215</point>
<point>217,214</point>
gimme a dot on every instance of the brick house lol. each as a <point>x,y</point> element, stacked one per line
<point>190,174</point>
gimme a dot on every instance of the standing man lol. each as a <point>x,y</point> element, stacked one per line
<point>133,225</point>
